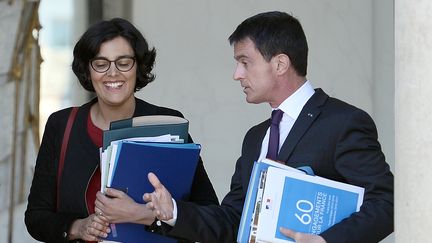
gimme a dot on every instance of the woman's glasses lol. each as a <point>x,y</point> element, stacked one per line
<point>123,64</point>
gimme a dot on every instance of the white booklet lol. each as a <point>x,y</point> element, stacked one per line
<point>252,205</point>
<point>303,203</point>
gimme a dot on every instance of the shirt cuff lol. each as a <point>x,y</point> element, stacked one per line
<point>172,221</point>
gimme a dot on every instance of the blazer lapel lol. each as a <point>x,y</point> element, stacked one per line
<point>308,115</point>
<point>258,138</point>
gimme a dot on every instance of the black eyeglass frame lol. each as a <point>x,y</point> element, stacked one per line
<point>115,63</point>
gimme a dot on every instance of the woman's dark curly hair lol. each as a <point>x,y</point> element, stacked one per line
<point>89,44</point>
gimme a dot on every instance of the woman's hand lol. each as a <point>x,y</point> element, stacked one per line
<point>93,228</point>
<point>118,207</point>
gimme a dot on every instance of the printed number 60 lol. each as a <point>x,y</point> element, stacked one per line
<point>305,207</point>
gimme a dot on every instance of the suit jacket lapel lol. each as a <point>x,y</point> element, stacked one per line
<point>308,115</point>
<point>258,138</point>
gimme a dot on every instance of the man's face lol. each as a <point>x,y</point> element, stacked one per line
<point>256,75</point>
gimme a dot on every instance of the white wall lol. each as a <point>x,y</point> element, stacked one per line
<point>194,64</point>
<point>413,37</point>
<point>351,57</point>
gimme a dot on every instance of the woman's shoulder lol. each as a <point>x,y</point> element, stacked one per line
<point>63,114</point>
<point>59,118</point>
<point>59,115</point>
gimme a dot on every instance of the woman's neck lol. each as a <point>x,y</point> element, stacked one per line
<point>102,114</point>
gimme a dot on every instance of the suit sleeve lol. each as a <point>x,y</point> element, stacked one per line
<point>202,197</point>
<point>202,191</point>
<point>43,221</point>
<point>211,223</point>
<point>217,223</point>
<point>359,159</point>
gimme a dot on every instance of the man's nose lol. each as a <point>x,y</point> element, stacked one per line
<point>238,73</point>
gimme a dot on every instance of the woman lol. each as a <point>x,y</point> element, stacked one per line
<point>112,59</point>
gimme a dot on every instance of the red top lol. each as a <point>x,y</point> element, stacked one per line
<point>95,134</point>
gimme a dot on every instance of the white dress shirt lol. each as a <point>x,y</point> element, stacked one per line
<point>291,107</point>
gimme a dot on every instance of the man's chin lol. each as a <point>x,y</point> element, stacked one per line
<point>252,101</point>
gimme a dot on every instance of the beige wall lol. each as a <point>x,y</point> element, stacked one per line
<point>413,52</point>
<point>351,57</point>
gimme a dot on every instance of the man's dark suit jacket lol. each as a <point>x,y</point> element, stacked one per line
<point>339,142</point>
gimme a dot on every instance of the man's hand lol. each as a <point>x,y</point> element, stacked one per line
<point>302,237</point>
<point>118,207</point>
<point>160,201</point>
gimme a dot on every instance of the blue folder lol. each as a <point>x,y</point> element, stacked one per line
<point>173,163</point>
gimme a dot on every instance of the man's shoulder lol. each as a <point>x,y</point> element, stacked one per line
<point>337,106</point>
<point>333,104</point>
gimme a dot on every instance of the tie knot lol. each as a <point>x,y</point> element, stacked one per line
<point>276,116</point>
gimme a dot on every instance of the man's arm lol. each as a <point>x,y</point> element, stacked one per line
<point>211,223</point>
<point>359,159</point>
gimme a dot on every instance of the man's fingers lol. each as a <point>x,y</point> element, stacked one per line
<point>287,232</point>
<point>155,181</point>
<point>147,197</point>
<point>150,205</point>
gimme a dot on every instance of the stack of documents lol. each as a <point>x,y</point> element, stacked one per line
<point>133,149</point>
<point>282,196</point>
<point>146,126</point>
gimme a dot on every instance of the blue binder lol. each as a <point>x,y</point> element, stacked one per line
<point>173,163</point>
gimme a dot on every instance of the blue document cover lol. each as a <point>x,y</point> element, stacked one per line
<point>248,222</point>
<point>173,163</point>
<point>308,204</point>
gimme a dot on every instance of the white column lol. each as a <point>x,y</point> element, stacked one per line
<point>413,120</point>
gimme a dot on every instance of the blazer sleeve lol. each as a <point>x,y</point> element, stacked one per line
<point>218,223</point>
<point>202,191</point>
<point>211,223</point>
<point>359,159</point>
<point>42,221</point>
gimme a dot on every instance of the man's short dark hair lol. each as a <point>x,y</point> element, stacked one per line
<point>275,33</point>
<point>89,44</point>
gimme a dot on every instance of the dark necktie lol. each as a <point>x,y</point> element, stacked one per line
<point>273,146</point>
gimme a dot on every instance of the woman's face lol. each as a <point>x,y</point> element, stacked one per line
<point>114,87</point>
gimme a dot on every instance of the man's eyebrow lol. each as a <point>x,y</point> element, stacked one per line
<point>240,57</point>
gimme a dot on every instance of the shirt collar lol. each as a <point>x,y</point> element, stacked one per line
<point>293,105</point>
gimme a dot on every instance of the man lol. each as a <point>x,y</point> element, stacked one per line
<point>337,140</point>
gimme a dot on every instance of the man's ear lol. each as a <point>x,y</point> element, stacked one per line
<point>282,63</point>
